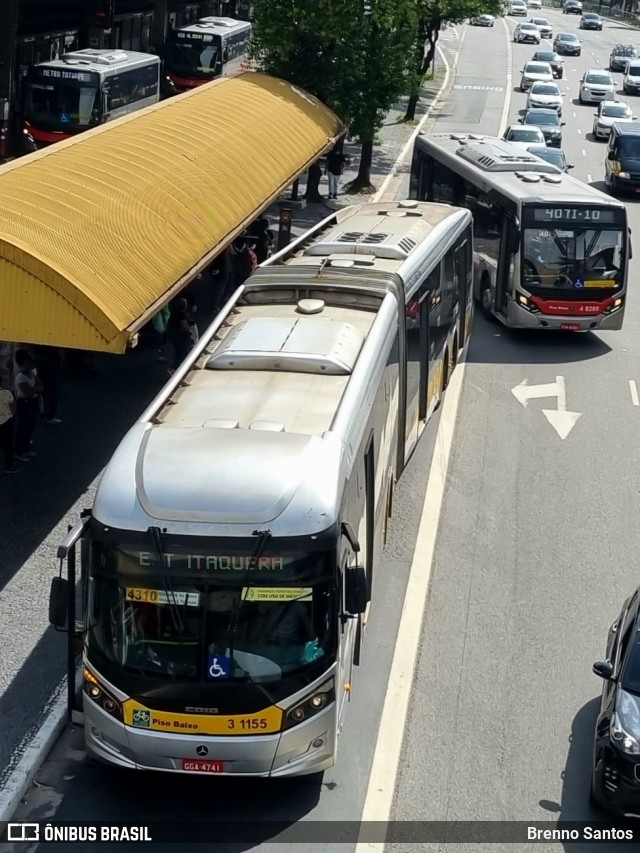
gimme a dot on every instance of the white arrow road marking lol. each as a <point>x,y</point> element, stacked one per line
<point>560,419</point>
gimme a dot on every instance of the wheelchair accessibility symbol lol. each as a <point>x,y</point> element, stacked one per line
<point>219,667</point>
<point>65,118</point>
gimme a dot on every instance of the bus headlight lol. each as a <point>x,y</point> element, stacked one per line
<point>97,693</point>
<point>309,707</point>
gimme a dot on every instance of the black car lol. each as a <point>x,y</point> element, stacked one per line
<point>615,777</point>
<point>572,7</point>
<point>568,44</point>
<point>619,56</point>
<point>555,156</point>
<point>555,61</point>
<point>590,21</point>
<point>548,122</point>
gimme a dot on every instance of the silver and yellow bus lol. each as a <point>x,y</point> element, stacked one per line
<point>551,251</point>
<point>229,559</point>
<point>85,89</point>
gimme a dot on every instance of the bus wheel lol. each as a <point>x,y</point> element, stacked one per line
<point>485,302</point>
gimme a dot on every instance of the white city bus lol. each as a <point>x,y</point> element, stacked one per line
<point>209,48</point>
<point>87,88</point>
<point>551,251</point>
<point>230,556</point>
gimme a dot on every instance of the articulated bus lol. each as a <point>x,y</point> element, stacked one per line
<point>229,559</point>
<point>87,88</point>
<point>209,48</point>
<point>551,251</point>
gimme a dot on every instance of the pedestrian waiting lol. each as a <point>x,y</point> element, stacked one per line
<point>28,389</point>
<point>179,332</point>
<point>7,427</point>
<point>49,368</point>
<point>335,165</point>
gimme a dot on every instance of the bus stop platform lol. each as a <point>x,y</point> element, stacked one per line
<point>97,233</point>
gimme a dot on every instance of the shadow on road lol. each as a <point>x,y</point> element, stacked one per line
<point>521,346</point>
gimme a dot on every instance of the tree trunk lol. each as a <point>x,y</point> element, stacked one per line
<point>423,64</point>
<point>312,193</point>
<point>362,182</point>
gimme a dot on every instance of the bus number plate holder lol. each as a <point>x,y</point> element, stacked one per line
<point>202,765</point>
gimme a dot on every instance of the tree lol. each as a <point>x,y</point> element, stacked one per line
<point>431,15</point>
<point>317,46</point>
<point>385,47</point>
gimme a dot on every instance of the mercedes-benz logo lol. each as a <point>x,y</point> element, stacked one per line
<point>202,750</point>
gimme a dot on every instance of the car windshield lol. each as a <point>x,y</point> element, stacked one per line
<point>528,27</point>
<point>545,57</point>
<point>630,679</point>
<point>568,258</point>
<point>627,50</point>
<point>617,111</point>
<point>544,89</point>
<point>538,118</point>
<point>629,147</point>
<point>523,134</point>
<point>203,618</point>
<point>633,70</point>
<point>591,16</point>
<point>540,22</point>
<point>599,79</point>
<point>555,156</point>
<point>535,68</point>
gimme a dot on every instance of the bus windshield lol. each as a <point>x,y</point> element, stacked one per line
<point>193,58</point>
<point>62,104</point>
<point>209,618</point>
<point>572,257</point>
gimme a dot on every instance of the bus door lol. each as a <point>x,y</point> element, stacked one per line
<point>506,264</point>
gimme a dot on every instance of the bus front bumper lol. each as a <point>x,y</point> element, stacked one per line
<point>520,318</point>
<point>309,747</point>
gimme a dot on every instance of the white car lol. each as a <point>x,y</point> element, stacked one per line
<point>535,72</point>
<point>518,7</point>
<point>596,85</point>
<point>534,4</point>
<point>526,33</point>
<point>546,30</point>
<point>609,113</point>
<point>524,137</point>
<point>545,96</point>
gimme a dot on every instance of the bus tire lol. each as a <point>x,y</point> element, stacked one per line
<point>485,301</point>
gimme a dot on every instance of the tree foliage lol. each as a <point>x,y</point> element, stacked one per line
<point>351,54</point>
<point>431,16</point>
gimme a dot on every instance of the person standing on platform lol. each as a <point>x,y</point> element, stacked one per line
<point>28,390</point>
<point>49,361</point>
<point>335,166</point>
<point>7,424</point>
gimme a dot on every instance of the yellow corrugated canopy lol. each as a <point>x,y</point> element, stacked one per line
<point>98,232</point>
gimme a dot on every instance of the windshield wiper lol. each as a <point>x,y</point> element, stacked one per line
<point>158,558</point>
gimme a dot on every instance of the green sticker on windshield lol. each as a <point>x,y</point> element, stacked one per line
<point>276,593</point>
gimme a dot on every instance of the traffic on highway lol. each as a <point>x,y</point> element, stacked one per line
<point>506,571</point>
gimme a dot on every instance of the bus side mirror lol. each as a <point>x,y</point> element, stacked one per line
<point>355,593</point>
<point>58,603</point>
<point>611,156</point>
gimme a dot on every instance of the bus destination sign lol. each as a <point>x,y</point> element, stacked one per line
<point>573,215</point>
<point>52,74</point>
<point>196,36</point>
<point>217,563</point>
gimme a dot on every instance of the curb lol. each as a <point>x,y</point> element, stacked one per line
<point>45,737</point>
<point>35,754</point>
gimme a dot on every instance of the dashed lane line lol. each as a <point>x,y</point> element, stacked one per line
<point>633,388</point>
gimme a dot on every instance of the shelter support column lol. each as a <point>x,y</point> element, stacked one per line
<point>8,30</point>
<point>159,33</point>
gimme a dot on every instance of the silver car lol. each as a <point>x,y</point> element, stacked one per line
<point>534,72</point>
<point>546,30</point>
<point>596,85</point>
<point>609,113</point>
<point>526,33</point>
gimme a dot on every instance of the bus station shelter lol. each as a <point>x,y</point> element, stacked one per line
<point>99,232</point>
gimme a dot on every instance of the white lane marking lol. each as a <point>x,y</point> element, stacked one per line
<point>504,118</point>
<point>386,758</point>
<point>634,392</point>
<point>574,115</point>
<point>584,153</point>
<point>579,131</point>
<point>409,143</point>
<point>589,179</point>
<point>560,419</point>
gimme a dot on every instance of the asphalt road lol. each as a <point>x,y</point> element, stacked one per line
<point>533,559</point>
<point>537,546</point>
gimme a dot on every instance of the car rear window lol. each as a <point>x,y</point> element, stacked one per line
<point>536,68</point>
<point>633,70</point>
<point>599,79</point>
